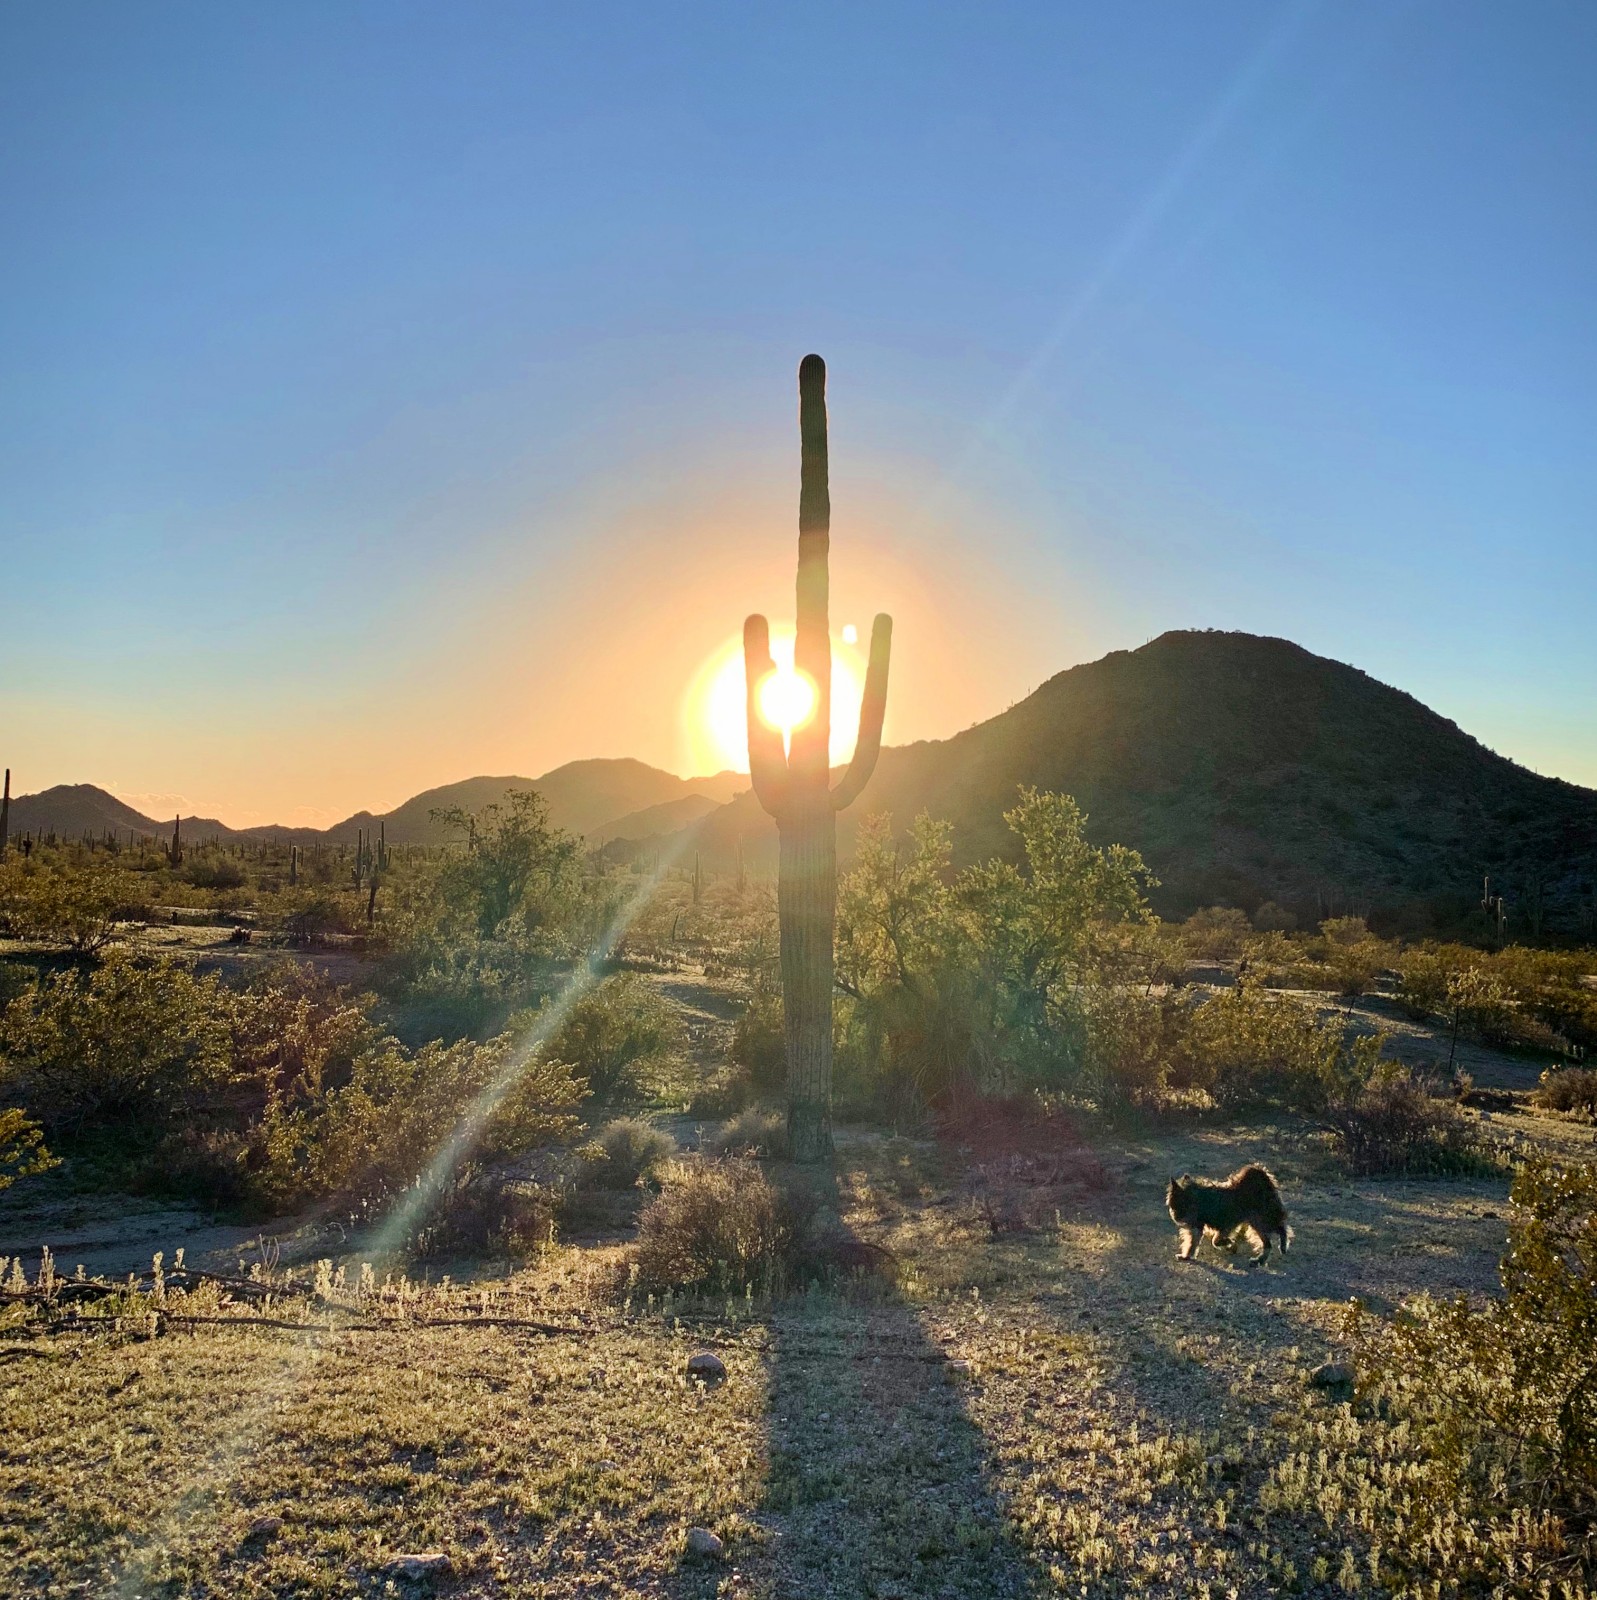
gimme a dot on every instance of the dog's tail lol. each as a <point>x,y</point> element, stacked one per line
<point>1285,1230</point>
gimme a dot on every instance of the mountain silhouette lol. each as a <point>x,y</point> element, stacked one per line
<point>620,798</point>
<point>1244,769</point>
<point>1248,769</point>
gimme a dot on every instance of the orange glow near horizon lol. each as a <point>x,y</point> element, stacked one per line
<point>714,709</point>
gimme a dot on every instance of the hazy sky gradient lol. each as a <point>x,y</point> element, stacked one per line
<point>394,392</point>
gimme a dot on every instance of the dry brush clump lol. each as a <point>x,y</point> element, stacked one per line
<point>756,1132</point>
<point>629,1151</point>
<point>727,1226</point>
<point>1572,1090</point>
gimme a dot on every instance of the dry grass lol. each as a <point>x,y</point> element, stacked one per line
<point>1059,1409</point>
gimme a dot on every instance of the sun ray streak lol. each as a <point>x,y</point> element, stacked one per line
<point>255,1423</point>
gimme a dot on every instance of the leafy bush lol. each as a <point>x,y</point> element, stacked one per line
<point>376,1134</point>
<point>1484,1439</point>
<point>759,1043</point>
<point>22,1151</point>
<point>1515,997</point>
<point>724,1226</point>
<point>1247,1048</point>
<point>1218,933</point>
<point>1393,1125</point>
<point>129,1044</point>
<point>752,1133</point>
<point>619,1037</point>
<point>976,980</point>
<point>1568,1089</point>
<point>490,916</point>
<point>75,905</point>
<point>633,1152</point>
<point>272,1096</point>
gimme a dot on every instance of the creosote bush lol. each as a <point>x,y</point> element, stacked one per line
<point>621,1038</point>
<point>22,1151</point>
<point>269,1097</point>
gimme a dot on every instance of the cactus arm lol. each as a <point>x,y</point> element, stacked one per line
<point>872,709</point>
<point>767,759</point>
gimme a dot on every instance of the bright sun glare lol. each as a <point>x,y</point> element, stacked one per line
<point>715,713</point>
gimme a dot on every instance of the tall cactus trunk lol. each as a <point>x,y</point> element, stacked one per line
<point>5,815</point>
<point>795,788</point>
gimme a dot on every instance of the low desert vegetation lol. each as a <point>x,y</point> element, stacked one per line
<point>1024,1055</point>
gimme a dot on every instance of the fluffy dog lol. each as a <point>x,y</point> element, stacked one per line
<point>1248,1200</point>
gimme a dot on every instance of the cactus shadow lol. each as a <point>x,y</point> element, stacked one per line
<point>878,1480</point>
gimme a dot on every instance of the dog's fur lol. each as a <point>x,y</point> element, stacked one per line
<point>1247,1201</point>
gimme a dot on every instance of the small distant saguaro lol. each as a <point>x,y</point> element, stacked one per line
<point>795,786</point>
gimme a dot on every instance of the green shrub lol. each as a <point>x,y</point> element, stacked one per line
<point>270,1097</point>
<point>620,1037</point>
<point>722,1092</point>
<point>381,1131</point>
<point>1217,933</point>
<point>1394,1126</point>
<point>759,1044</point>
<point>633,1152</point>
<point>22,1151</point>
<point>74,905</point>
<point>128,1044</point>
<point>1568,1089</point>
<point>752,1133</point>
<point>1484,1436</point>
<point>1247,1048</point>
<point>493,913</point>
<point>724,1226</point>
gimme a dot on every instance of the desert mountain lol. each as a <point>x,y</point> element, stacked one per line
<point>605,799</point>
<point>585,797</point>
<point>71,810</point>
<point>1248,769</point>
<point>1243,768</point>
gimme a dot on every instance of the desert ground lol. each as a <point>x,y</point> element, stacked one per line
<point>1037,1397</point>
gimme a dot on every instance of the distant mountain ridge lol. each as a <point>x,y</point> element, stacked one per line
<point>605,798</point>
<point>1243,768</point>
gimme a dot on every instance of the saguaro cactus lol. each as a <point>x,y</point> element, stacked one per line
<point>5,814</point>
<point>795,787</point>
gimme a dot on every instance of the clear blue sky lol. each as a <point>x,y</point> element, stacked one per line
<point>349,354</point>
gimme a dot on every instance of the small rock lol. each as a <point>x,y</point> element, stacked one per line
<point>265,1528</point>
<point>707,1367</point>
<point>703,1545</point>
<point>416,1568</point>
<point>1332,1375</point>
<point>961,1369</point>
<point>608,1466</point>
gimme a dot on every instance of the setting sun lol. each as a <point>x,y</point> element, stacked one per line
<point>787,698</point>
<point>714,710</point>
